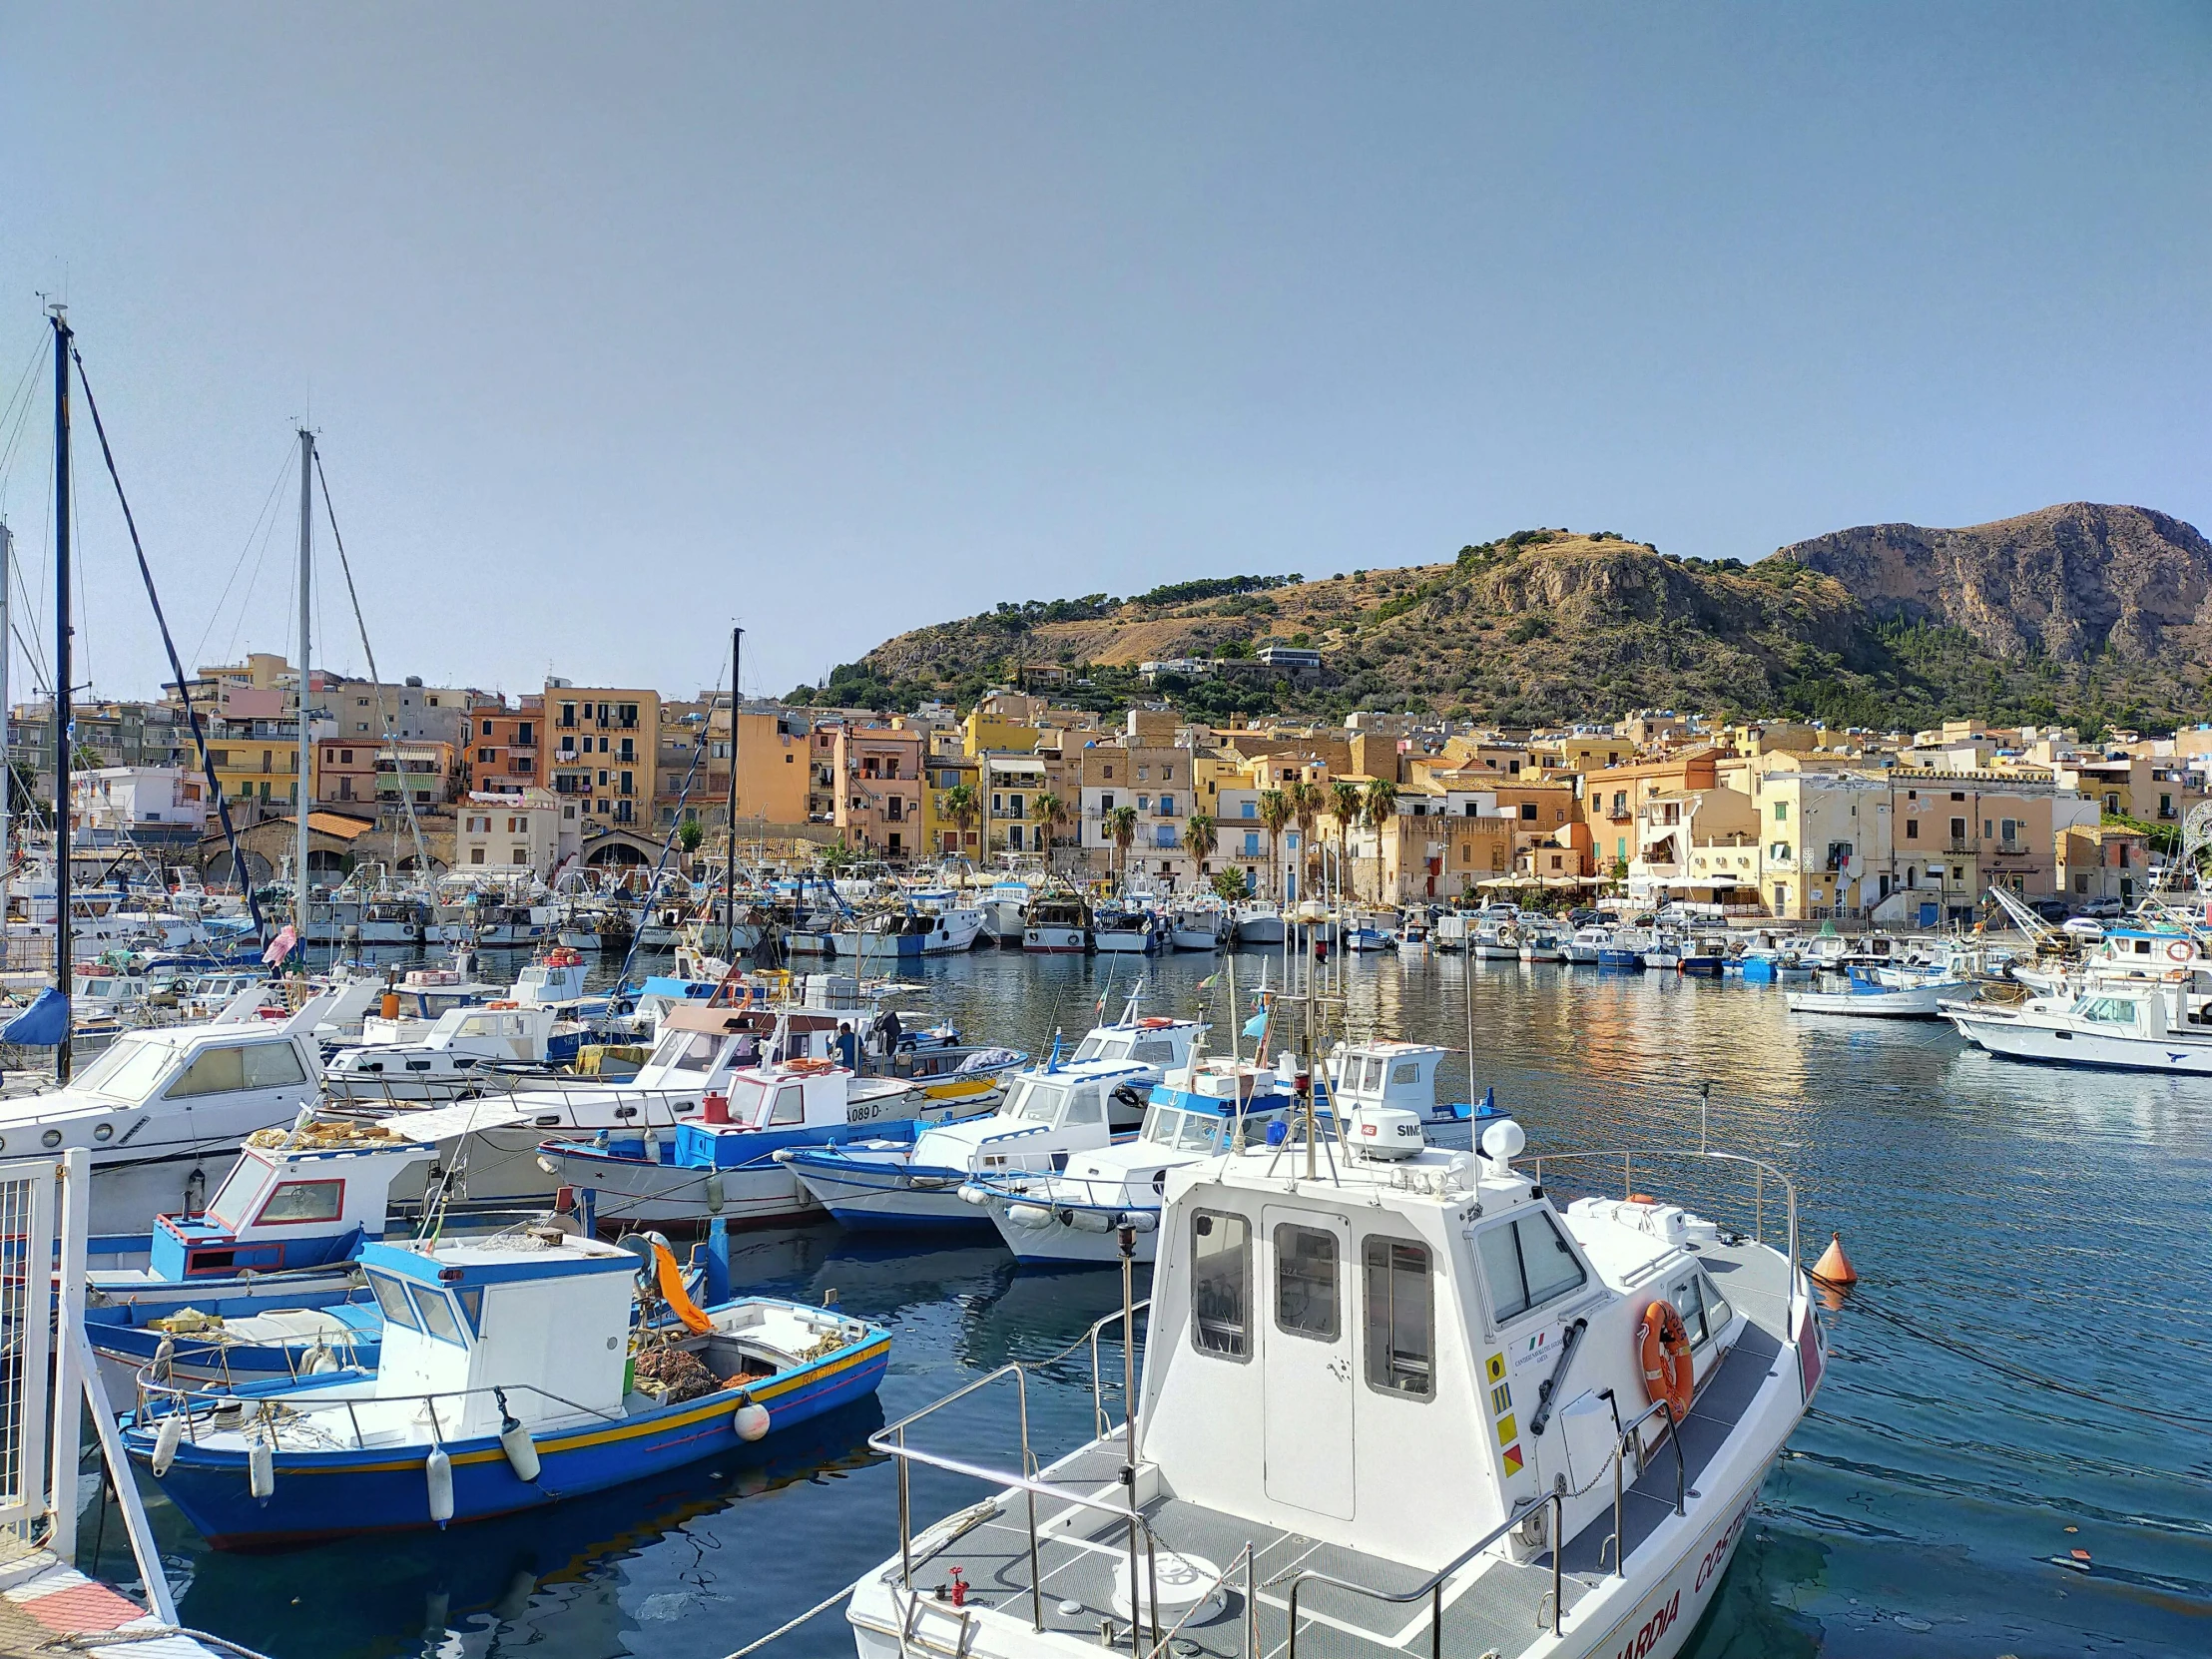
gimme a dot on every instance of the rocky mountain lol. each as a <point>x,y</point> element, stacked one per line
<point>2068,582</point>
<point>2089,613</point>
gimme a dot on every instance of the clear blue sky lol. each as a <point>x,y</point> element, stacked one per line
<point>620,324</point>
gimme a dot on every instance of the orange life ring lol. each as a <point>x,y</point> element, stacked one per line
<point>809,1068</point>
<point>1669,1372</point>
<point>502,1004</point>
<point>2180,950</point>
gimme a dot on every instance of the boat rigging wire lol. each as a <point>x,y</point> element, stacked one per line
<point>183,689</point>
<point>199,651</point>
<point>383,717</point>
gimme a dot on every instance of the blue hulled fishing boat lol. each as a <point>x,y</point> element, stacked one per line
<point>516,1372</point>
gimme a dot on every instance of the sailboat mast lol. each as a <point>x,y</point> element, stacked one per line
<point>729,863</point>
<point>300,782</point>
<point>7,770</point>
<point>64,968</point>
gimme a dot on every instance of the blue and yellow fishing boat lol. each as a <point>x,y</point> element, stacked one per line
<point>516,1372</point>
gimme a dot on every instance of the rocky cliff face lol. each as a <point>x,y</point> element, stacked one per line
<point>2067,582</point>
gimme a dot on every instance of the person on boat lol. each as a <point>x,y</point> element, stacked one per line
<point>848,1049</point>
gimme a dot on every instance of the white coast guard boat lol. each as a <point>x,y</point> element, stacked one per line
<point>1443,1443</point>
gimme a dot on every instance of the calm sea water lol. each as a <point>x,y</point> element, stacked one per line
<point>2056,1219</point>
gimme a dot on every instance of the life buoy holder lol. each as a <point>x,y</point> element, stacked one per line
<point>1669,1371</point>
<point>2180,950</point>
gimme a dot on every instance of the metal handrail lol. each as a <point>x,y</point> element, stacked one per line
<point>1433,1586</point>
<point>1626,1155</point>
<point>1098,1387</point>
<point>188,1402</point>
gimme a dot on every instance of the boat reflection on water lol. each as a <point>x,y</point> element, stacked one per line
<point>506,1573</point>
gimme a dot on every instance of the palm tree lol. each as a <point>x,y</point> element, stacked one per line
<point>1198,842</point>
<point>1050,811</point>
<point>1346,806</point>
<point>1275,811</point>
<point>1121,823</point>
<point>1304,798</point>
<point>1378,804</point>
<point>962,804</point>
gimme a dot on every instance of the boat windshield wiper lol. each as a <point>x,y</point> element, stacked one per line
<point>1548,1389</point>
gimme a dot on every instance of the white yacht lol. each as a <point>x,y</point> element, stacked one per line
<point>1258,921</point>
<point>1389,1406</point>
<point>1496,941</point>
<point>466,1051</point>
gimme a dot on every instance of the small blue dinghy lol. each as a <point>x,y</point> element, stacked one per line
<point>516,1372</point>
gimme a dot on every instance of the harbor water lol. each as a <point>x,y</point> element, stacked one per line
<point>2043,1223</point>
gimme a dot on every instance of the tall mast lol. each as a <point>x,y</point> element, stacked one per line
<point>64,968</point>
<point>729,863</point>
<point>300,782</point>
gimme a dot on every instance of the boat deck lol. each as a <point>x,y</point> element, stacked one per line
<point>1496,1607</point>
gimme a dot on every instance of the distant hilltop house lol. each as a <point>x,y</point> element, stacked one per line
<point>1270,661</point>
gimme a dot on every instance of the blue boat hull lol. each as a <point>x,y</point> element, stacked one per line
<point>1620,960</point>
<point>338,1494</point>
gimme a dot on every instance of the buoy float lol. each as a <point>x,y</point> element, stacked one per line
<point>320,1361</point>
<point>750,1419</point>
<point>1834,1267</point>
<point>437,1474</point>
<point>1663,1344</point>
<point>260,1468</point>
<point>521,1450</point>
<point>166,1442</point>
<point>716,1198</point>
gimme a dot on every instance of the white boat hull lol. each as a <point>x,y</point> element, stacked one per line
<point>1916,1003</point>
<point>2020,1040</point>
<point>1053,940</point>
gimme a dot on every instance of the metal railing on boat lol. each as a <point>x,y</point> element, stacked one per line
<point>1627,1157</point>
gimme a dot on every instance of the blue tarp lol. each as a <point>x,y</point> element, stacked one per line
<point>42,1023</point>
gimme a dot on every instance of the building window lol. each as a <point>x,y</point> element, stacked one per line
<point>1781,812</point>
<point>1911,828</point>
<point>475,854</point>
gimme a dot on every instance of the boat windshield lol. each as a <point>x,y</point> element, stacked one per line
<point>745,1095</point>
<point>234,1198</point>
<point>688,1050</point>
<point>1038,1102</point>
<point>1099,1047</point>
<point>1200,1131</point>
<point>129,1070</point>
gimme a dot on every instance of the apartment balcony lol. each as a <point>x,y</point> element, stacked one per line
<point>2012,849</point>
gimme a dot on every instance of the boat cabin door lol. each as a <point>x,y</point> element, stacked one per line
<point>1305,1361</point>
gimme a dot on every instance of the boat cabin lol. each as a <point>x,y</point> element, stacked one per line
<point>557,978</point>
<point>808,1101</point>
<point>542,1315</point>
<point>1385,1074</point>
<point>286,1206</point>
<point>1423,1347</point>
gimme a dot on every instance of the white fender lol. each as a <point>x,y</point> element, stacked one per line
<point>438,1472</point>
<point>166,1442</point>
<point>260,1468</point>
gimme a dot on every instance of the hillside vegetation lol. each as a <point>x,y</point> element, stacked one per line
<point>2083,614</point>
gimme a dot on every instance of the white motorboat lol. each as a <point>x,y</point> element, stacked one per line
<point>1587,944</point>
<point>1071,1213</point>
<point>1258,921</point>
<point>1496,941</point>
<point>162,1110</point>
<point>2145,1026</point>
<point>465,1052</point>
<point>1540,943</point>
<point>1451,931</point>
<point>1413,935</point>
<point>1200,926</point>
<point>1129,930</point>
<point>1060,1107</point>
<point>1860,994</point>
<point>1057,924</point>
<point>1465,1421</point>
<point>1662,951</point>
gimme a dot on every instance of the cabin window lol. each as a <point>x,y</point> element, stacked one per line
<point>2110,1010</point>
<point>437,1315</point>
<point>1083,1107</point>
<point>227,1070</point>
<point>1038,1103</point>
<point>790,1105</point>
<point>302,1200</point>
<point>1528,1262</point>
<point>1154,1051</point>
<point>1401,1320</point>
<point>1306,1283</point>
<point>692,1051</point>
<point>1221,1285</point>
<point>391,1296</point>
<point>1684,1298</point>
<point>472,1306</point>
<point>1374,1080</point>
<point>1406,1071</point>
